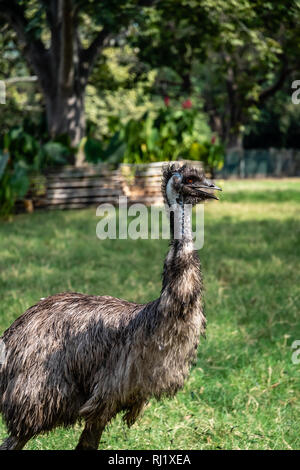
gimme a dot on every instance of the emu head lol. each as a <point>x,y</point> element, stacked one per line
<point>186,185</point>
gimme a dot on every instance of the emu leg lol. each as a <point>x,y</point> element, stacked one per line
<point>90,436</point>
<point>13,443</point>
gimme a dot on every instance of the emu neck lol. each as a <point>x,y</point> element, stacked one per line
<point>181,223</point>
<point>182,282</point>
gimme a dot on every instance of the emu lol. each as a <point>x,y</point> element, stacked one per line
<point>74,356</point>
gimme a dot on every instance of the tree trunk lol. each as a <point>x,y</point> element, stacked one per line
<point>63,68</point>
<point>235,142</point>
<point>65,115</point>
<point>64,96</point>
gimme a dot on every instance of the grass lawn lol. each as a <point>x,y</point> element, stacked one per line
<point>244,391</point>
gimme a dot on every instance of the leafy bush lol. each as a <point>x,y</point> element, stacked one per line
<point>24,156</point>
<point>97,151</point>
<point>50,154</point>
<point>210,153</point>
<point>37,153</point>
<point>14,183</point>
<point>159,137</point>
<point>20,144</point>
<point>169,133</point>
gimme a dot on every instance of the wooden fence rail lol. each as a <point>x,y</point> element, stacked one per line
<point>74,188</point>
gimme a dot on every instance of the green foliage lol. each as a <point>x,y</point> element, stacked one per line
<point>241,55</point>
<point>210,153</point>
<point>166,134</point>
<point>3,163</point>
<point>118,87</point>
<point>36,153</point>
<point>152,51</point>
<point>24,156</point>
<point>52,154</point>
<point>169,34</point>
<point>93,150</point>
<point>20,144</point>
<point>14,183</point>
<point>276,126</point>
<point>96,151</point>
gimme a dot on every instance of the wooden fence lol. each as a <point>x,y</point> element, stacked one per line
<point>75,188</point>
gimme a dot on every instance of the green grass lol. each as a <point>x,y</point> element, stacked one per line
<point>244,391</point>
<point>266,190</point>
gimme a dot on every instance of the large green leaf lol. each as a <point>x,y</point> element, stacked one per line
<point>19,180</point>
<point>93,150</point>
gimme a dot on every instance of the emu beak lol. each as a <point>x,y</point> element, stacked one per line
<point>208,185</point>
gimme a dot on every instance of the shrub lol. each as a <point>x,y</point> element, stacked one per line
<point>14,183</point>
<point>22,157</point>
<point>169,133</point>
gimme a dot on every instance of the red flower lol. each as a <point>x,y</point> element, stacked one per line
<point>187,104</point>
<point>167,100</point>
<point>213,139</point>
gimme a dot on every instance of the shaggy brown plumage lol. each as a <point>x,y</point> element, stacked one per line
<point>74,356</point>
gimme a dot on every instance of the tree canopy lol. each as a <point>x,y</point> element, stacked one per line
<point>107,62</point>
<point>236,54</point>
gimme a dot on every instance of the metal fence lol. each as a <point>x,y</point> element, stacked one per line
<point>256,163</point>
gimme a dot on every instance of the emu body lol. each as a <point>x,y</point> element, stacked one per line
<point>75,356</point>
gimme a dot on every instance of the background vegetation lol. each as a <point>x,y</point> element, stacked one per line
<point>135,58</point>
<point>143,80</point>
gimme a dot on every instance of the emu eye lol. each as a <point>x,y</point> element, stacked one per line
<point>189,180</point>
